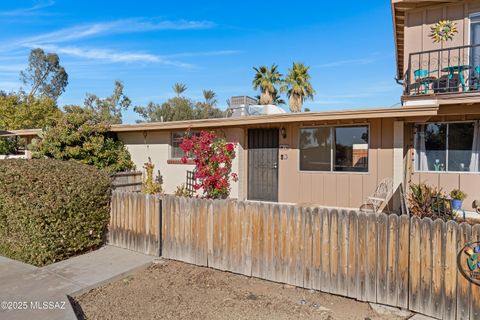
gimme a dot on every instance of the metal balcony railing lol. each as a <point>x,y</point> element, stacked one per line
<point>449,70</point>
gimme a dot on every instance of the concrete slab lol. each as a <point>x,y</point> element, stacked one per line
<point>105,264</point>
<point>421,317</point>
<point>27,292</point>
<point>390,311</point>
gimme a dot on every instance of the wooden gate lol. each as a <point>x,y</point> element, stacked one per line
<point>263,164</point>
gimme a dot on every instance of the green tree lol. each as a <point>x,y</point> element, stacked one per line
<point>175,109</point>
<point>109,109</point>
<point>179,88</point>
<point>180,108</point>
<point>44,75</point>
<point>266,79</point>
<point>83,134</point>
<point>298,86</point>
<point>18,113</point>
<point>207,109</point>
<point>8,145</point>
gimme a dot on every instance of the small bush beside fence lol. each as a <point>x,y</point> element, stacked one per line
<point>50,209</point>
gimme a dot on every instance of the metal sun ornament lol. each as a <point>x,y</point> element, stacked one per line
<point>443,30</point>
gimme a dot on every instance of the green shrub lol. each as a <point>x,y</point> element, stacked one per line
<point>82,134</point>
<point>457,194</point>
<point>8,145</point>
<point>51,209</point>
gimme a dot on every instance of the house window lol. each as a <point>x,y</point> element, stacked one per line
<point>177,137</point>
<point>450,147</point>
<point>334,149</point>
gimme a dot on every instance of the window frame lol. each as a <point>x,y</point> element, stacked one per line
<point>415,155</point>
<point>332,163</point>
<point>170,154</point>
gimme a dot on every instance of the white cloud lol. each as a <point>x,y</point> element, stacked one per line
<point>114,56</point>
<point>204,53</point>
<point>53,40</point>
<point>33,10</point>
<point>113,27</point>
<point>327,102</point>
<point>346,62</point>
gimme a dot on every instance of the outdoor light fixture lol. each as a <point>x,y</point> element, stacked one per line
<point>283,132</point>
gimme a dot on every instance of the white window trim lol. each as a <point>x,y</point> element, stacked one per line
<point>331,171</point>
<point>471,16</point>
<point>415,156</point>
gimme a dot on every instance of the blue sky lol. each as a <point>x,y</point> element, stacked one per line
<point>150,45</point>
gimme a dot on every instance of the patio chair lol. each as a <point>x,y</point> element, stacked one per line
<point>476,78</point>
<point>380,198</point>
<point>423,77</point>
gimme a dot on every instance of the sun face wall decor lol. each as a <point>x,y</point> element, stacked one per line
<point>443,31</point>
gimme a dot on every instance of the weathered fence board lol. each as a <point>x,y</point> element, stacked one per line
<point>362,257</point>
<point>414,274</point>
<point>403,261</point>
<point>372,254</point>
<point>325,254</point>
<point>395,260</point>
<point>463,285</point>
<point>475,295</point>
<point>382,231</point>
<point>352,257</point>
<point>450,294</point>
<point>127,181</point>
<point>135,222</point>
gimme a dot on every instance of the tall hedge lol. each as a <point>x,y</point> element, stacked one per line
<point>51,209</point>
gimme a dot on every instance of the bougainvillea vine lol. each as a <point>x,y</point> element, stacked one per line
<point>213,158</point>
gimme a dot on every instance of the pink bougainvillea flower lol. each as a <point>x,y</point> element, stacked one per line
<point>213,163</point>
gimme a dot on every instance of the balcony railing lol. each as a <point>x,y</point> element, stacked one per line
<point>450,70</point>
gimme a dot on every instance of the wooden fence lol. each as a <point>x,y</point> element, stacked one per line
<point>127,181</point>
<point>388,259</point>
<point>135,222</point>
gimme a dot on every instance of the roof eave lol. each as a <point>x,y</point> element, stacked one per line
<point>416,111</point>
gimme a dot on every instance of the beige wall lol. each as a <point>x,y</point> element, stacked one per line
<point>156,145</point>
<point>337,188</point>
<point>329,189</point>
<point>417,30</point>
<point>467,182</point>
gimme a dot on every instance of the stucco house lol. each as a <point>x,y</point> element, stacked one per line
<point>337,158</point>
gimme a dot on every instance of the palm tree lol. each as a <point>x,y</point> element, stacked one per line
<point>179,88</point>
<point>298,86</point>
<point>266,79</point>
<point>207,109</point>
<point>276,99</point>
<point>210,97</point>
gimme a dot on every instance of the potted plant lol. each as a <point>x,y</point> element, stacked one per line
<point>457,198</point>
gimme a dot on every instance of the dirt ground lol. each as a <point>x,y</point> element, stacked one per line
<point>175,290</point>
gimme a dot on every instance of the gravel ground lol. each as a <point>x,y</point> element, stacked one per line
<point>175,290</point>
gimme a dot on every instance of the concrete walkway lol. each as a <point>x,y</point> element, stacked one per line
<point>41,293</point>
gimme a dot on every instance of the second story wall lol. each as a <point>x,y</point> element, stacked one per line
<point>419,21</point>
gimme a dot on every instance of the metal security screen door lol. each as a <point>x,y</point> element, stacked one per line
<point>263,164</point>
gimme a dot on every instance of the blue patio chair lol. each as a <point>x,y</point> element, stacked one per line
<point>422,77</point>
<point>477,71</point>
